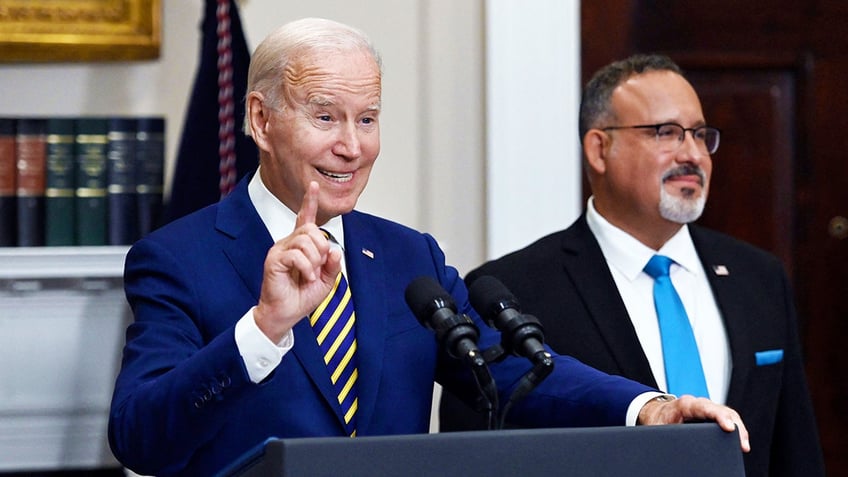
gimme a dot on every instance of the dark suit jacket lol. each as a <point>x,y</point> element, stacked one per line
<point>183,402</point>
<point>563,280</point>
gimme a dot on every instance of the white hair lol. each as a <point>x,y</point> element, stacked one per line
<point>281,49</point>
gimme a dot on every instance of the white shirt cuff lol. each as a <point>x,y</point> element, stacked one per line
<point>638,403</point>
<point>261,355</point>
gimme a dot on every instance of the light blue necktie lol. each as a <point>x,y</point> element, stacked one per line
<point>683,371</point>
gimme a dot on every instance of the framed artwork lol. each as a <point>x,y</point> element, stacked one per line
<point>34,31</point>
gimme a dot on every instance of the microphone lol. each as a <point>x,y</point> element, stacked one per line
<point>456,333</point>
<point>435,309</point>
<point>521,335</point>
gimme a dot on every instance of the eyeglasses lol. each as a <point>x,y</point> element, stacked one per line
<point>671,135</point>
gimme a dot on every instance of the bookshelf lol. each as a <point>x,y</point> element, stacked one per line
<point>80,180</point>
<point>62,321</point>
<point>71,189</point>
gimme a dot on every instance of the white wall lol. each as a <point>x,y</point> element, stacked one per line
<point>533,93</point>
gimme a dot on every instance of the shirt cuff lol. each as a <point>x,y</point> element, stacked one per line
<point>638,403</point>
<point>261,355</point>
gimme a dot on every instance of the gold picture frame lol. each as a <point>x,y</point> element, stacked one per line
<point>79,30</point>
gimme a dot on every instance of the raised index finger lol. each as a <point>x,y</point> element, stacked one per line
<point>309,207</point>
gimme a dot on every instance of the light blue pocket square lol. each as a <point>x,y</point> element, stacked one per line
<point>767,357</point>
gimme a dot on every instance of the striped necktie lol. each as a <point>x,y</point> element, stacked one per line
<point>333,323</point>
<point>683,371</point>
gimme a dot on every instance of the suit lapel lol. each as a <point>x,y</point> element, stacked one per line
<point>581,258</point>
<point>366,269</point>
<point>238,219</point>
<point>309,356</point>
<point>723,275</point>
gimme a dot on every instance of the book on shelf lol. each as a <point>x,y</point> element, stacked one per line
<point>121,180</point>
<point>8,176</point>
<point>80,180</point>
<point>60,182</point>
<point>92,136</point>
<point>150,168</point>
<point>31,152</point>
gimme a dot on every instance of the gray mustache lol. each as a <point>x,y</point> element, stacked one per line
<point>686,170</point>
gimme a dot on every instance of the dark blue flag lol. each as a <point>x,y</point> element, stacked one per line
<point>214,153</point>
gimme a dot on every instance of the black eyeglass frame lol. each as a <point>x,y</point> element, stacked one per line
<point>680,138</point>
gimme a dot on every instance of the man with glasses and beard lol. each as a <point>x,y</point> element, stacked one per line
<point>647,154</point>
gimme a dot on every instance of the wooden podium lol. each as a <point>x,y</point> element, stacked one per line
<point>693,450</point>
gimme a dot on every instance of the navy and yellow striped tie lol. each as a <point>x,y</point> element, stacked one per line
<point>333,323</point>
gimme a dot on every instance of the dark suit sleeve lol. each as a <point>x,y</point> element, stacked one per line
<point>169,372</point>
<point>795,449</point>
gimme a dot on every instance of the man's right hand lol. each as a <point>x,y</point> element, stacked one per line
<point>689,408</point>
<point>299,273</point>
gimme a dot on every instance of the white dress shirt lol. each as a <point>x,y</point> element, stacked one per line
<point>626,258</point>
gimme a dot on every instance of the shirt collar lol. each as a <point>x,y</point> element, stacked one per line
<point>279,219</point>
<point>629,255</point>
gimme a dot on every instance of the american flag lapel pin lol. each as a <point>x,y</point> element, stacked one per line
<point>368,253</point>
<point>721,270</point>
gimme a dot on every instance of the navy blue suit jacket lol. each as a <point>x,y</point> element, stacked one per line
<point>183,402</point>
<point>563,279</point>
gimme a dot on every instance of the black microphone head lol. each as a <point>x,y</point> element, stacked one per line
<point>425,296</point>
<point>521,334</point>
<point>490,297</point>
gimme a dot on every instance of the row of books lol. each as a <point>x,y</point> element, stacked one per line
<point>68,181</point>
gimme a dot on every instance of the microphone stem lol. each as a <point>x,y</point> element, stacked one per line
<point>543,367</point>
<point>485,385</point>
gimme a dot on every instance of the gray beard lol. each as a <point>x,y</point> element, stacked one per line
<point>681,209</point>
